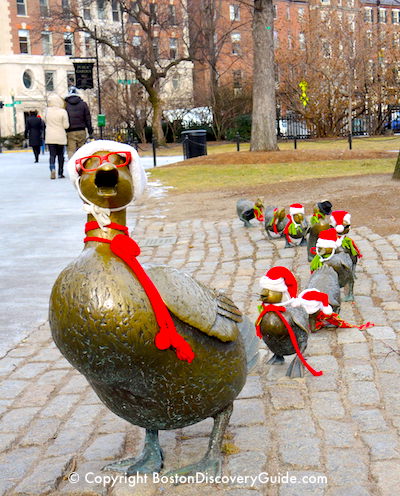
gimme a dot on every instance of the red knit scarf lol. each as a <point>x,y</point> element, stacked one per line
<point>336,320</point>
<point>279,310</point>
<point>275,221</point>
<point>258,213</point>
<point>127,249</point>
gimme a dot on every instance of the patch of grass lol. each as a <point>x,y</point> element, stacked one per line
<point>216,177</point>
<point>230,449</point>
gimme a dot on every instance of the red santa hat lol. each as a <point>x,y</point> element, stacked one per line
<point>338,217</point>
<point>327,239</point>
<point>313,301</point>
<point>296,208</point>
<point>280,279</point>
<point>91,148</point>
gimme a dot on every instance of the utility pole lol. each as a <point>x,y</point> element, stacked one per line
<point>98,78</point>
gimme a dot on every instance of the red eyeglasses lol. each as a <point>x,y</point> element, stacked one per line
<point>97,160</point>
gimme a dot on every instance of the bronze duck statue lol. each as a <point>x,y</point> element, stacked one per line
<point>284,328</point>
<point>275,221</point>
<point>107,316</point>
<point>296,228</point>
<point>247,210</point>
<point>341,221</point>
<point>329,253</point>
<point>319,221</point>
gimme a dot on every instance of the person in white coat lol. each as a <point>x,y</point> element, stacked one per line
<point>56,119</point>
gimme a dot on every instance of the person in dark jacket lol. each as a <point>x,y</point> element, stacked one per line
<point>34,130</point>
<point>80,121</point>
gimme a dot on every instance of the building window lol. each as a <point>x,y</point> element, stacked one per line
<point>275,12</point>
<point>44,8</point>
<point>27,79</point>
<point>350,3</point>
<point>175,82</point>
<point>288,13</point>
<point>23,37</point>
<point>155,46</point>
<point>235,37</point>
<point>290,42</point>
<point>153,13</point>
<point>21,8</point>
<point>326,49</point>
<point>276,39</point>
<point>133,12</point>
<point>69,43</point>
<point>395,16</point>
<point>172,15</point>
<point>302,41</point>
<point>115,10</point>
<point>234,12</point>
<point>70,79</point>
<point>49,80</point>
<point>300,13</point>
<point>88,42</point>
<point>66,7</point>
<point>382,16</point>
<point>86,13</point>
<point>237,79</point>
<point>325,2</point>
<point>368,14</point>
<point>136,43</point>
<point>47,47</point>
<point>173,48</point>
<point>101,9</point>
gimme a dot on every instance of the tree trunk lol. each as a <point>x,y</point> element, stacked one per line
<point>155,102</point>
<point>263,129</point>
<point>396,172</point>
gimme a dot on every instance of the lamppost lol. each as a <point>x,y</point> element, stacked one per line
<point>14,112</point>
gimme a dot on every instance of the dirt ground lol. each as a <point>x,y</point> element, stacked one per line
<point>372,200</point>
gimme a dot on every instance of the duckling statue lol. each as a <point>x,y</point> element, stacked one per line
<point>341,221</point>
<point>275,222</point>
<point>326,254</point>
<point>248,210</point>
<point>296,227</point>
<point>159,349</point>
<point>319,221</point>
<point>284,328</point>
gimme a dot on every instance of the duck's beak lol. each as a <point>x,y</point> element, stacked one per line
<point>106,180</point>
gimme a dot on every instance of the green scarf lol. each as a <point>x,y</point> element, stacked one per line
<point>316,218</point>
<point>347,243</point>
<point>316,263</point>
<point>293,230</point>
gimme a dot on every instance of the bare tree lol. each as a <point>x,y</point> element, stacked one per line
<point>148,41</point>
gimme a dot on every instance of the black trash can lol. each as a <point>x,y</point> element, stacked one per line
<point>194,143</point>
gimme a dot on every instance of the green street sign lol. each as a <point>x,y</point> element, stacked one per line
<point>101,120</point>
<point>17,102</point>
<point>127,81</point>
<point>9,105</point>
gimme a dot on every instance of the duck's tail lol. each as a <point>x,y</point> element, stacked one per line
<point>251,341</point>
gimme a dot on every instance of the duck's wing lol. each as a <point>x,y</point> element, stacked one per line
<point>212,313</point>
<point>300,318</point>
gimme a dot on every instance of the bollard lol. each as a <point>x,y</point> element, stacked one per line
<point>295,143</point>
<point>185,146</point>
<point>350,142</point>
<point>238,142</point>
<point>154,145</point>
<point>135,144</point>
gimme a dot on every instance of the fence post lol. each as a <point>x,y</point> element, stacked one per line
<point>154,145</point>
<point>185,146</point>
<point>350,142</point>
<point>135,144</point>
<point>295,143</point>
<point>238,142</point>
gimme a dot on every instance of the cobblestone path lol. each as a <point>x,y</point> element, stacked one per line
<point>343,426</point>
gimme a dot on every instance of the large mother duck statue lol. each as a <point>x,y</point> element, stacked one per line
<point>159,349</point>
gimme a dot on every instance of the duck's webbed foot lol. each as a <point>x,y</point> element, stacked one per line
<point>276,359</point>
<point>349,295</point>
<point>211,463</point>
<point>150,460</point>
<point>295,369</point>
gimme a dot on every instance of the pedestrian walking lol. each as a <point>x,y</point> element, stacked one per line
<point>34,131</point>
<point>56,119</point>
<point>42,145</point>
<point>80,128</point>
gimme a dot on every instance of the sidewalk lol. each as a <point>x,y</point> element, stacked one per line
<point>343,425</point>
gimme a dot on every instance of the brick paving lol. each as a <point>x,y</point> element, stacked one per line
<point>343,425</point>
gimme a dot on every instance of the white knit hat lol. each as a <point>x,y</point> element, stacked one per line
<point>136,168</point>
